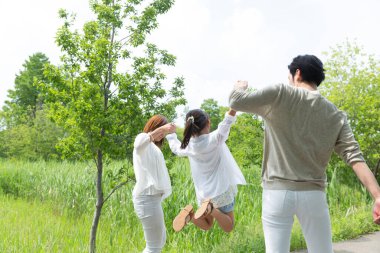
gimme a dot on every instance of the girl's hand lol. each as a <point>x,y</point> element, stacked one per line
<point>169,128</point>
<point>376,211</point>
<point>232,112</point>
<point>161,132</point>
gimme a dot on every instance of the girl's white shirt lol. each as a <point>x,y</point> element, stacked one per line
<point>151,173</point>
<point>213,167</point>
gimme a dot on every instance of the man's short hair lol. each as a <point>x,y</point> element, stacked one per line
<point>311,68</point>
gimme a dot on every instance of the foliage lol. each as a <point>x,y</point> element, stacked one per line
<point>104,91</point>
<point>215,112</point>
<point>48,202</point>
<point>106,88</point>
<point>353,85</point>
<point>25,99</point>
<point>26,131</point>
<point>33,141</point>
<point>246,140</point>
<point>211,107</point>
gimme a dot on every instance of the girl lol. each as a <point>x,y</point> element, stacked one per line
<point>152,181</point>
<point>214,171</point>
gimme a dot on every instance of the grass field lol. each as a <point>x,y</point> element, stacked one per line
<point>48,207</point>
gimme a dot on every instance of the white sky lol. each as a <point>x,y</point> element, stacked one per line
<point>216,42</point>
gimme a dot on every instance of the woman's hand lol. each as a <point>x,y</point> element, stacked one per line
<point>376,211</point>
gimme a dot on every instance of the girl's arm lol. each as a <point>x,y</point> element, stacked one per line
<point>162,131</point>
<point>224,127</point>
<point>175,145</point>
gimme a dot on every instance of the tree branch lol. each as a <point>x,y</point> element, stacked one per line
<point>114,189</point>
<point>126,37</point>
<point>109,71</point>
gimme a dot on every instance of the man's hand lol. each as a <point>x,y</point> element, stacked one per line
<point>241,85</point>
<point>376,211</point>
<point>369,181</point>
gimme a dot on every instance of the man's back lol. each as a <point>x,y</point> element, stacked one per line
<point>302,128</point>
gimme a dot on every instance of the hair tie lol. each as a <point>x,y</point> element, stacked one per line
<point>191,118</point>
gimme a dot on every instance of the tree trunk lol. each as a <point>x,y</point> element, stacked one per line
<point>99,202</point>
<point>99,189</point>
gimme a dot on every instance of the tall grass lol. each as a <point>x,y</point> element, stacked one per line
<point>48,207</point>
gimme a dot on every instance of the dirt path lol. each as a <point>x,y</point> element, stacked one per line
<point>365,244</point>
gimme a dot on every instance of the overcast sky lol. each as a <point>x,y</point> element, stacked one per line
<point>216,41</point>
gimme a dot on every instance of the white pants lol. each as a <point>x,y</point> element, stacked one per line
<point>149,210</point>
<point>311,209</point>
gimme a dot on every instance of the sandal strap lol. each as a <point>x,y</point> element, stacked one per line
<point>211,208</point>
<point>188,211</point>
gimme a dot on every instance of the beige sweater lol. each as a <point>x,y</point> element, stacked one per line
<point>302,129</point>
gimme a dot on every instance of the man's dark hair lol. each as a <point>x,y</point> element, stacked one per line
<point>311,68</point>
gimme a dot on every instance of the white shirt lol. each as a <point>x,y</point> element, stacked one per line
<point>152,176</point>
<point>213,167</point>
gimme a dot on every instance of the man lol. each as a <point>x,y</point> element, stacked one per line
<point>302,129</point>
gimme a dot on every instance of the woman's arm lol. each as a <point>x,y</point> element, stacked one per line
<point>142,140</point>
<point>175,145</point>
<point>369,181</point>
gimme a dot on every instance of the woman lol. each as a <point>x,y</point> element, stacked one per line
<point>152,181</point>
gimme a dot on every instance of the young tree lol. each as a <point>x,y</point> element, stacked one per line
<point>106,88</point>
<point>353,84</point>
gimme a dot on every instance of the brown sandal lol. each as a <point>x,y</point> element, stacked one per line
<point>204,210</point>
<point>182,218</point>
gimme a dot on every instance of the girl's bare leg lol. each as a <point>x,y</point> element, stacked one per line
<point>204,223</point>
<point>225,220</point>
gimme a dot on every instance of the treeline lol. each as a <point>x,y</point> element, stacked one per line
<point>29,132</point>
<point>26,131</point>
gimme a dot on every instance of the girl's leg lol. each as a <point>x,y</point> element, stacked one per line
<point>150,213</point>
<point>277,217</point>
<point>204,223</point>
<point>225,220</point>
<point>223,215</point>
<point>313,215</point>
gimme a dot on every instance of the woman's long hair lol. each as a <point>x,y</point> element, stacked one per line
<point>153,123</point>
<point>196,121</point>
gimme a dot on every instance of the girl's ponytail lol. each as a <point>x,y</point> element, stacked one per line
<point>196,121</point>
<point>187,133</point>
